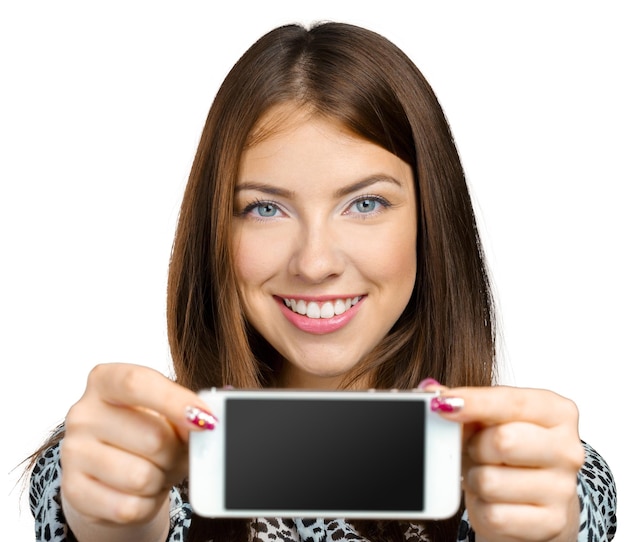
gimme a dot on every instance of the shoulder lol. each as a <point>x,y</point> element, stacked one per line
<point>598,497</point>
<point>44,494</point>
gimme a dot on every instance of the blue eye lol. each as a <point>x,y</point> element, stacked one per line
<point>261,209</point>
<point>266,209</point>
<point>366,205</point>
<point>369,205</point>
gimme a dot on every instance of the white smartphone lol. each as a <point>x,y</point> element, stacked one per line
<point>355,454</point>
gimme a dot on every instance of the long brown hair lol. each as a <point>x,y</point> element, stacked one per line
<point>361,79</point>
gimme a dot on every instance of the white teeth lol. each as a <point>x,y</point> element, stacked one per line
<point>313,310</point>
<point>340,307</point>
<point>327,310</point>
<point>300,307</point>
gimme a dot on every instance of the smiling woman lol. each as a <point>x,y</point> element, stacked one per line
<point>326,239</point>
<point>340,93</point>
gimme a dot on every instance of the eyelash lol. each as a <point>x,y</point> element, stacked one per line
<point>257,203</point>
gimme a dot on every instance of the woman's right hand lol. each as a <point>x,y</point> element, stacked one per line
<point>124,448</point>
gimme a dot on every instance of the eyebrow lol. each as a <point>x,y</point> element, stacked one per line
<point>340,192</point>
<point>265,188</point>
<point>364,183</point>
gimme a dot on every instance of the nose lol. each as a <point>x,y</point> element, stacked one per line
<point>317,254</point>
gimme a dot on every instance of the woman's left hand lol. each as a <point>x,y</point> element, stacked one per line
<point>521,456</point>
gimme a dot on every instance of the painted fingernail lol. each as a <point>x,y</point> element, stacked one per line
<point>446,404</point>
<point>200,418</point>
<point>426,383</point>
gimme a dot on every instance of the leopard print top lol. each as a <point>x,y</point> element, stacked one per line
<point>596,491</point>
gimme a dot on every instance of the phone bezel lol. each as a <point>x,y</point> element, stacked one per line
<point>442,456</point>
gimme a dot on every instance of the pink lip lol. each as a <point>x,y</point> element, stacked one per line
<point>319,326</point>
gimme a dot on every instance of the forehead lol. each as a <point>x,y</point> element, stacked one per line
<point>286,117</point>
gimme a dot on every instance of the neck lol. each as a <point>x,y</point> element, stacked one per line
<point>296,380</point>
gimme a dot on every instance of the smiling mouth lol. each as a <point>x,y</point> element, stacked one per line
<point>326,309</point>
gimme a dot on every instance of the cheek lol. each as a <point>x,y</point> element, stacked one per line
<point>399,265</point>
<point>390,258</point>
<point>256,258</point>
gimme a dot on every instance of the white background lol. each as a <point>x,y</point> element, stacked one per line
<point>101,108</point>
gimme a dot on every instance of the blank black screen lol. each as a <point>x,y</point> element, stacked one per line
<point>288,454</point>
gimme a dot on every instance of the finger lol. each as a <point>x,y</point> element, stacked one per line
<point>514,485</point>
<point>120,427</point>
<point>518,444</point>
<point>507,522</point>
<point>138,386</point>
<point>430,384</point>
<point>113,467</point>
<point>502,404</point>
<point>100,502</point>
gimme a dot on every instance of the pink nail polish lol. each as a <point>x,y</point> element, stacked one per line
<point>446,404</point>
<point>200,418</point>
<point>427,382</point>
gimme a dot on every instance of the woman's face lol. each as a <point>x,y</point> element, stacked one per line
<point>324,242</point>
